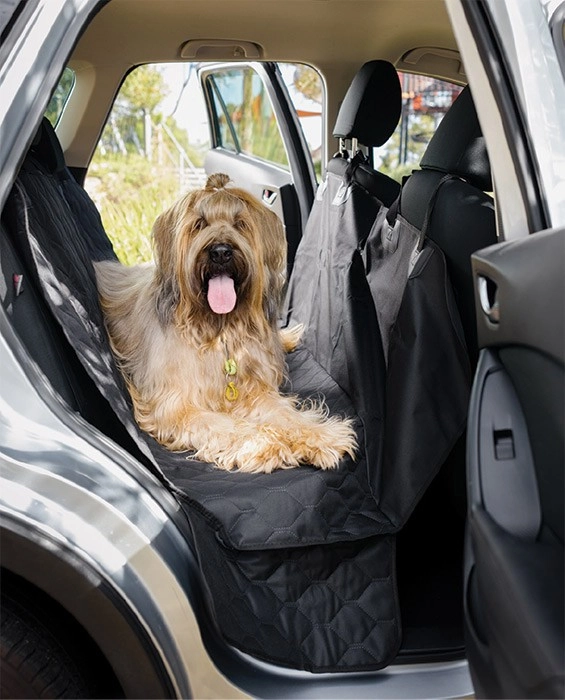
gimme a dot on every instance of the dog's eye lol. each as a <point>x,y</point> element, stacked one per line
<point>200,223</point>
<point>240,224</point>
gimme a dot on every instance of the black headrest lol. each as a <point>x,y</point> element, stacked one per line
<point>47,149</point>
<point>458,146</point>
<point>371,107</point>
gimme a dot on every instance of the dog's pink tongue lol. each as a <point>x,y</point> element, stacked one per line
<point>221,294</point>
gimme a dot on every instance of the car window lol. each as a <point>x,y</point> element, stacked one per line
<point>60,96</point>
<point>155,140</point>
<point>226,136</point>
<point>243,114</point>
<point>151,150</point>
<point>424,102</point>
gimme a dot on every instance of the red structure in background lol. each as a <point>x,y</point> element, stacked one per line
<point>422,95</point>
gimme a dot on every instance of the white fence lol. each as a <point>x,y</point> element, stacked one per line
<point>170,152</point>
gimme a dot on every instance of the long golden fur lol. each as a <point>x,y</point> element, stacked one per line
<point>172,347</point>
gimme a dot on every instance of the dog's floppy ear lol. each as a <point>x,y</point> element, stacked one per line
<point>168,293</point>
<point>274,242</point>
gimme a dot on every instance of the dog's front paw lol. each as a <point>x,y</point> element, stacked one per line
<point>334,439</point>
<point>264,452</point>
<point>254,450</point>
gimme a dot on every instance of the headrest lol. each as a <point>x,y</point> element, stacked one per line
<point>47,149</point>
<point>458,146</point>
<point>371,107</point>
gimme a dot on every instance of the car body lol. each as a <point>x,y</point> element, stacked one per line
<point>99,548</point>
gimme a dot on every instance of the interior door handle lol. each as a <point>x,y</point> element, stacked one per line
<point>488,296</point>
<point>269,196</point>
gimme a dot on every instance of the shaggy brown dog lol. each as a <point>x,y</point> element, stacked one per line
<point>196,337</point>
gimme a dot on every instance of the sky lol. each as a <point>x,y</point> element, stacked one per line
<point>190,112</point>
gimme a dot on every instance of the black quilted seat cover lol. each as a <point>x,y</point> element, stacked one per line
<point>299,564</point>
<point>428,375</point>
<point>319,608</point>
<point>315,506</point>
<point>279,551</point>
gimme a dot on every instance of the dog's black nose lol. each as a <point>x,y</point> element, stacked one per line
<point>221,253</point>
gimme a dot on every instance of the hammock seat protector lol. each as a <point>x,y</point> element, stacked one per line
<point>299,564</point>
<point>305,525</point>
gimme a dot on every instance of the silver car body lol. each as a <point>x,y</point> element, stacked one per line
<point>71,496</point>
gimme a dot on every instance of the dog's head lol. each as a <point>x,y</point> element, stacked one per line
<point>219,252</point>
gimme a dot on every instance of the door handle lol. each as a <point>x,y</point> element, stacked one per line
<point>488,296</point>
<point>269,196</point>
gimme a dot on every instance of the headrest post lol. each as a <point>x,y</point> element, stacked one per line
<point>342,149</point>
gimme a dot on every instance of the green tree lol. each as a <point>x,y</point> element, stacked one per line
<point>140,96</point>
<point>129,189</point>
<point>143,90</point>
<point>307,81</point>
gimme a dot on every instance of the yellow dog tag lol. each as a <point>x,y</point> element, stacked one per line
<point>230,367</point>
<point>231,392</point>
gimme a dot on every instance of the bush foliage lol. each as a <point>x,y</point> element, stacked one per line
<point>130,193</point>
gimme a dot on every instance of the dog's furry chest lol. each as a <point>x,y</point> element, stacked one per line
<point>221,376</point>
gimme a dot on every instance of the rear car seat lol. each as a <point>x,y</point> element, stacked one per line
<point>55,191</point>
<point>349,275</point>
<point>314,588</point>
<point>275,584</point>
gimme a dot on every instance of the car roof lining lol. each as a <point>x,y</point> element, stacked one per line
<point>126,33</point>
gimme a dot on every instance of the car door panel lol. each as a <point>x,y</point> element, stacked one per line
<point>520,586</point>
<point>514,569</point>
<point>257,141</point>
<point>268,183</point>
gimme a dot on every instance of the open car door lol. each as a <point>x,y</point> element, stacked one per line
<point>514,560</point>
<point>514,569</point>
<point>257,140</point>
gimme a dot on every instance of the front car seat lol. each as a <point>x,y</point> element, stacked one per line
<point>461,219</point>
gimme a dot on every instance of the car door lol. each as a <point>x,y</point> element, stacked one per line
<point>514,570</point>
<point>514,559</point>
<point>257,140</point>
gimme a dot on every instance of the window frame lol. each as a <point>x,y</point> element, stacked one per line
<point>212,92</point>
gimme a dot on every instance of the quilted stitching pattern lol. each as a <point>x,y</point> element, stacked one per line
<point>314,608</point>
<point>299,506</point>
<point>330,607</point>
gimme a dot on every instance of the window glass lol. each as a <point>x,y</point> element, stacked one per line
<point>151,151</point>
<point>247,110</point>
<point>153,147</point>
<point>60,96</point>
<point>424,102</point>
<point>226,137</point>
